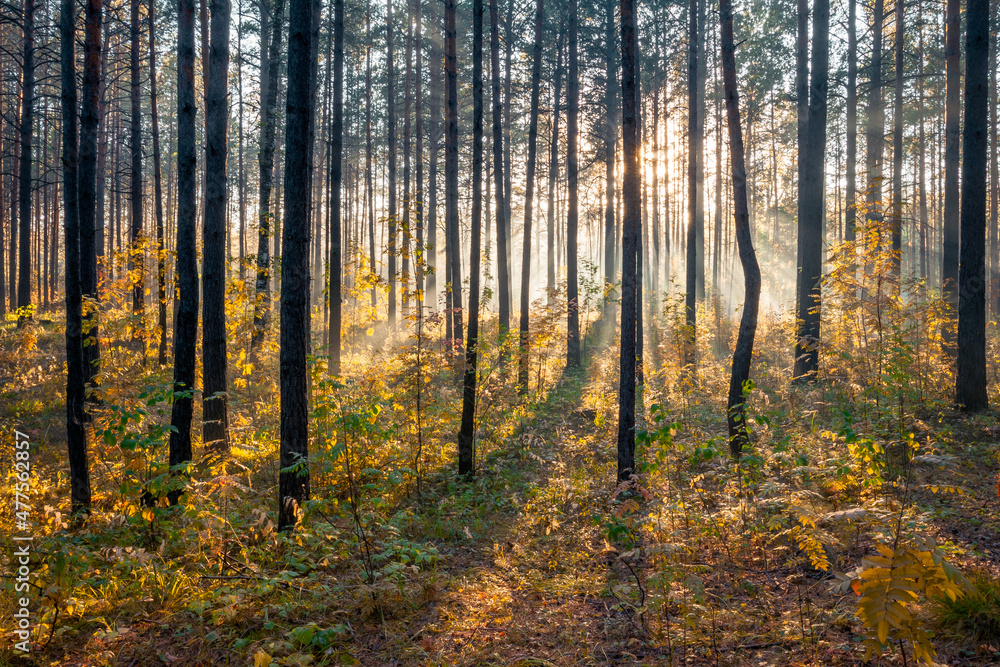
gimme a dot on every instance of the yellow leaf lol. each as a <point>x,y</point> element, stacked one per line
<point>261,659</point>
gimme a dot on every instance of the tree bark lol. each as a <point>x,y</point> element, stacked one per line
<point>551,204</point>
<point>391,144</point>
<point>572,215</point>
<point>25,160</point>
<point>90,206</point>
<point>610,149</point>
<point>971,378</point>
<point>630,232</point>
<point>270,69</point>
<point>336,176</point>
<point>529,199</point>
<point>186,313</point>
<point>294,467</point>
<point>812,206</point>
<point>503,279</point>
<point>161,292</point>
<point>215,402</point>
<point>466,438</point>
<point>694,150</point>
<point>743,354</point>
<point>76,433</point>
<point>451,170</point>
<point>952,123</point>
<point>136,250</point>
<point>897,148</point>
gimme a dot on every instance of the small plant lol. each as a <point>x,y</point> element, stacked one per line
<point>975,616</point>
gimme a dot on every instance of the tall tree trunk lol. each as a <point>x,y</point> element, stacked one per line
<point>24,176</point>
<point>507,123</point>
<point>551,203</point>
<point>897,147</point>
<point>214,232</point>
<point>451,170</point>
<point>161,292</point>
<point>369,185</point>
<point>136,250</point>
<point>801,100</point>
<point>811,195</point>
<point>434,143</point>
<point>572,215</point>
<point>630,233</point>
<point>994,166</point>
<point>952,122</point>
<point>419,251</point>
<point>242,184</point>
<point>529,198</point>
<point>390,96</point>
<point>851,194</point>
<point>694,150</point>
<point>294,476</point>
<point>921,149</point>
<point>336,159</point>
<point>186,306</point>
<point>466,438</point>
<point>91,207</point>
<point>407,146</point>
<point>610,149</point>
<point>699,220</point>
<point>76,432</point>
<point>503,279</point>
<point>743,354</point>
<point>971,379</point>
<point>270,69</point>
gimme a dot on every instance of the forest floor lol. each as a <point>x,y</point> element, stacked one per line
<point>541,560</point>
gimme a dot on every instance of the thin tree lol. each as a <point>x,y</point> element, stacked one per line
<point>694,149</point>
<point>630,233</point>
<point>451,170</point>
<point>897,145</point>
<point>812,206</point>
<point>610,149</point>
<point>186,305</point>
<point>161,291</point>
<point>554,165</point>
<point>529,201</point>
<point>90,207</point>
<point>952,137</point>
<point>390,101</point>
<point>851,192</point>
<point>76,432</point>
<point>572,176</point>
<point>503,279</point>
<point>215,410</point>
<point>25,160</point>
<point>293,482</point>
<point>466,438</point>
<point>971,379</point>
<point>336,174</point>
<point>875,129</point>
<point>270,63</point>
<point>135,178</point>
<point>743,354</point>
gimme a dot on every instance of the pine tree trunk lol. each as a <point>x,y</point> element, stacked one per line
<point>90,205</point>
<point>503,279</point>
<point>186,306</point>
<point>921,150</point>
<point>529,199</point>
<point>897,148</point>
<point>214,233</point>
<point>971,379</point>
<point>294,476</point>
<point>390,95</point>
<point>812,206</point>
<point>851,194</point>
<point>161,292</point>
<point>369,185</point>
<point>434,143</point>
<point>572,215</point>
<point>994,167</point>
<point>630,232</point>
<point>270,68</point>
<point>952,122</point>
<point>451,172</point>
<point>336,176</point>
<point>551,203</point>
<point>694,150</point>
<point>136,250</point>
<point>25,159</point>
<point>743,354</point>
<point>610,149</point>
<point>419,250</point>
<point>76,433</point>
<point>466,438</point>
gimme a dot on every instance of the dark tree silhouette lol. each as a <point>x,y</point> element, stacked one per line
<point>89,205</point>
<point>971,379</point>
<point>161,290</point>
<point>293,482</point>
<point>186,305</point>
<point>630,233</point>
<point>25,160</point>
<point>952,137</point>
<point>76,433</point>
<point>336,157</point>
<point>572,176</point>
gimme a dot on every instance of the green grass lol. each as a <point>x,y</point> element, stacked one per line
<point>976,616</point>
